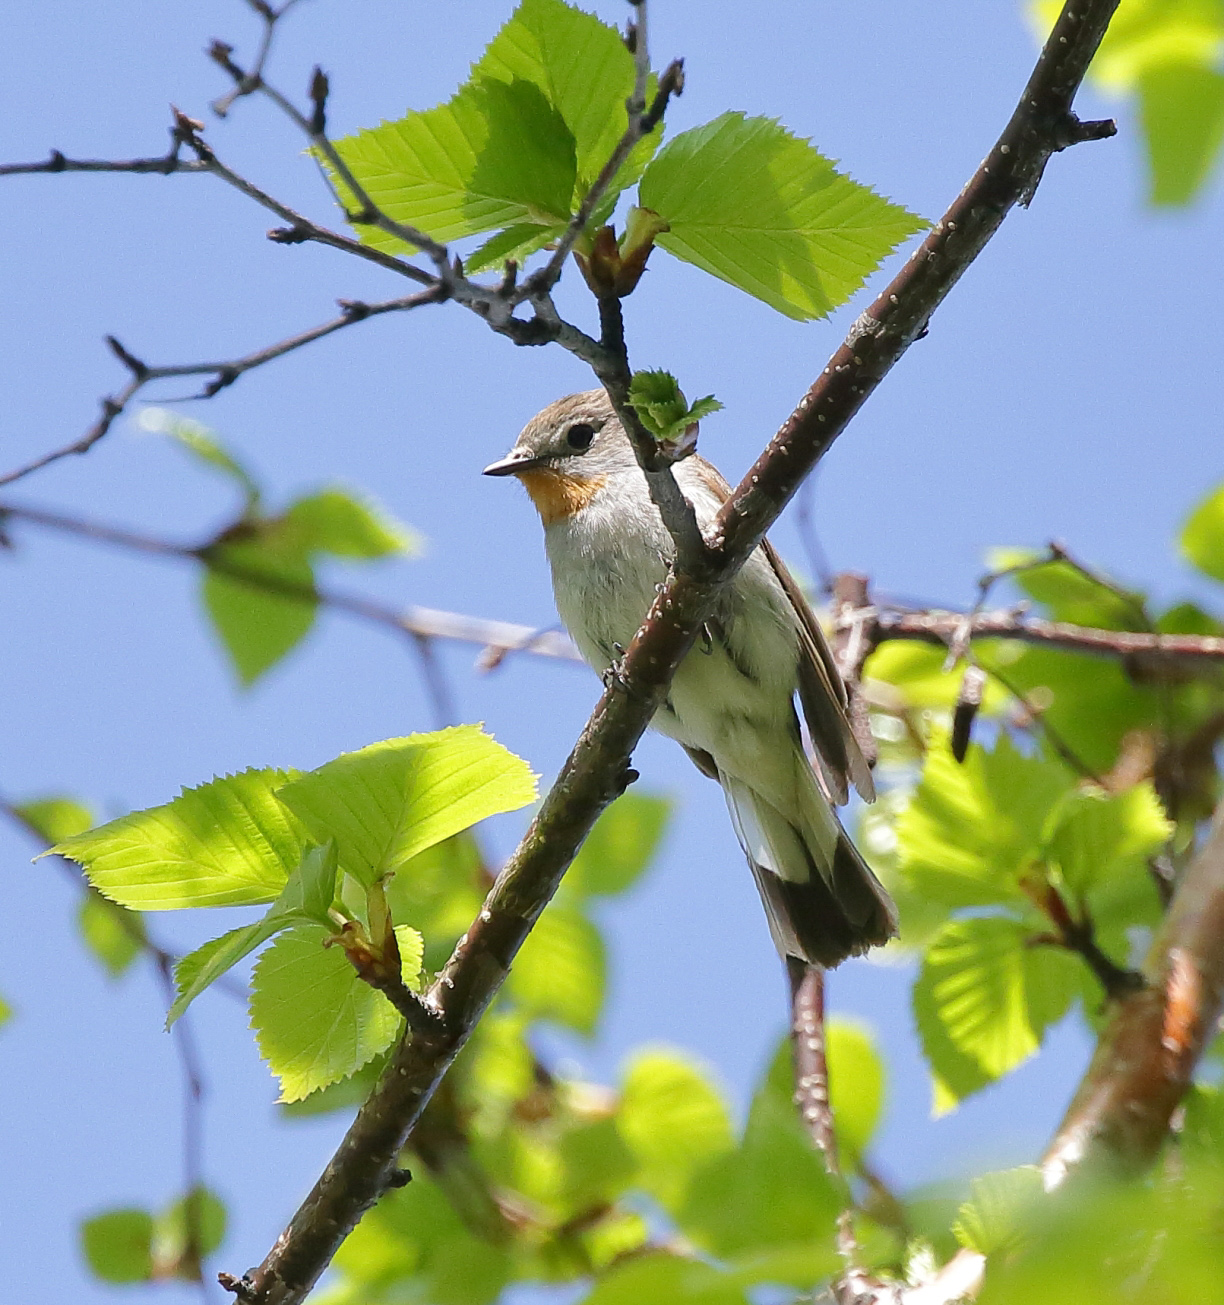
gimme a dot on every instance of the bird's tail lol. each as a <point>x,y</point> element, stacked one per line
<point>821,899</point>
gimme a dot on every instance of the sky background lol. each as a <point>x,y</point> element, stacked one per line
<point>1070,387</point>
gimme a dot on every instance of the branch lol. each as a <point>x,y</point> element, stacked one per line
<point>597,768</point>
<point>496,638</point>
<point>1145,1060</point>
<point>224,374</point>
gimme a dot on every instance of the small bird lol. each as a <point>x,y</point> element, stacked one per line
<point>731,702</point>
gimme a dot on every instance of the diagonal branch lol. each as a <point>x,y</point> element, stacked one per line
<point>597,768</point>
<point>223,374</point>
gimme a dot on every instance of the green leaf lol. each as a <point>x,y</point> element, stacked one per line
<point>6,1012</point>
<point>585,72</point>
<point>226,843</point>
<point>660,403</point>
<point>118,1245</point>
<point>620,847</point>
<point>983,1001</point>
<point>517,243</point>
<point>391,800</point>
<point>1099,836</point>
<point>440,890</point>
<point>561,970</point>
<point>257,625</point>
<point>55,819</point>
<point>306,898</point>
<point>918,671</point>
<point>596,1164</point>
<point>856,1086</point>
<point>112,932</point>
<point>1202,537</point>
<point>659,1277</point>
<point>972,829</point>
<point>496,155</point>
<point>675,1121</point>
<point>771,1193</point>
<point>1068,594</point>
<point>750,203</point>
<point>203,444</point>
<point>314,1019</point>
<point>412,955</point>
<point>990,1222</point>
<point>200,1212</point>
<point>333,521</point>
<point>1181,108</point>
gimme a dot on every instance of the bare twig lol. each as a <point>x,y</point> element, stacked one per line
<point>596,769</point>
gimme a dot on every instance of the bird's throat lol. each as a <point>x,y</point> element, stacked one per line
<point>557,495</point>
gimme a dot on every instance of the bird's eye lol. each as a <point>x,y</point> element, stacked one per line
<point>579,436</point>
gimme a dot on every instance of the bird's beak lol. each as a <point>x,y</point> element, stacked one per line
<point>515,461</point>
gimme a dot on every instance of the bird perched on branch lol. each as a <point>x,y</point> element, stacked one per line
<point>731,702</point>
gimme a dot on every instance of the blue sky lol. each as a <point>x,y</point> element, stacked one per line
<point>1069,388</point>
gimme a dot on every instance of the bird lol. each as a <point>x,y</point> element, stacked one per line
<point>731,703</point>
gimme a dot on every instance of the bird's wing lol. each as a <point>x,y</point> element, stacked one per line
<point>821,690</point>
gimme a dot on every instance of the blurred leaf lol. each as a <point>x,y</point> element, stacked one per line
<point>496,1069</point>
<point>856,1086</point>
<point>620,847</point>
<point>173,1228</point>
<point>1182,112</point>
<point>983,1001</point>
<point>660,403</point>
<point>314,1019</point>
<point>226,843</point>
<point>497,154</point>
<point>257,625</point>
<point>972,829</point>
<point>1068,594</point>
<point>306,898</point>
<point>659,1277</point>
<point>334,521</point>
<point>118,1245</point>
<point>596,1164</point>
<point>917,669</point>
<point>770,1194</point>
<point>584,71</point>
<point>1202,1133</point>
<point>1098,836</point>
<point>990,1221</point>
<point>675,1121</point>
<point>6,1012</point>
<point>561,970</point>
<point>748,202</point>
<point>1202,537</point>
<point>203,444</point>
<point>112,932</point>
<point>439,891</point>
<point>56,819</point>
<point>385,803</point>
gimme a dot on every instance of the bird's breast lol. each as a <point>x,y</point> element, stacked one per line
<point>557,495</point>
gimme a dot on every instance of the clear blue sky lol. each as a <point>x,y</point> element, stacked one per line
<point>1070,388</point>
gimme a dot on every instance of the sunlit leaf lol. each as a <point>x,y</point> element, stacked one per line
<point>662,1277</point>
<point>56,819</point>
<point>227,843</point>
<point>114,934</point>
<point>1202,537</point>
<point>560,972</point>
<point>990,1221</point>
<point>750,203</point>
<point>336,521</point>
<point>195,1222</point>
<point>620,847</point>
<point>856,1085</point>
<point>118,1245</point>
<point>204,445</point>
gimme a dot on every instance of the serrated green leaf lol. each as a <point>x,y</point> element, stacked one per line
<point>1202,537</point>
<point>195,1222</point>
<point>584,71</point>
<point>226,843</point>
<point>561,970</point>
<point>56,818</point>
<point>620,847</point>
<point>496,155</point>
<point>1098,836</point>
<point>748,202</point>
<point>983,1001</point>
<point>306,898</point>
<point>657,398</point>
<point>412,955</point>
<point>257,625</point>
<point>972,829</point>
<point>990,1222</point>
<point>118,1245</point>
<point>385,803</point>
<point>772,1193</point>
<point>335,521</point>
<point>204,445</point>
<point>517,243</point>
<point>315,1021</point>
<point>675,1121</point>
<point>112,932</point>
<point>659,1276</point>
<point>856,1086</point>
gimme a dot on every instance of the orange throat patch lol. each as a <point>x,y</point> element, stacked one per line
<point>557,495</point>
